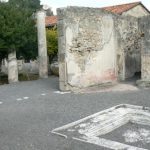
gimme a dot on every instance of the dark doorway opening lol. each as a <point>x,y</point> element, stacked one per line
<point>132,80</point>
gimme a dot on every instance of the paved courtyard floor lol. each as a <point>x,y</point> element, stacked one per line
<point>29,111</point>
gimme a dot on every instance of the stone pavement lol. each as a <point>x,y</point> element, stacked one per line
<point>29,111</point>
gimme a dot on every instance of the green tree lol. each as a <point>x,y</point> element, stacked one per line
<point>14,27</point>
<point>52,42</point>
<point>32,5</point>
<point>18,31</point>
<point>29,50</point>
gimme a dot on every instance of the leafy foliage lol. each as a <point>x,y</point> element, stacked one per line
<point>31,5</point>
<point>18,31</point>
<point>52,42</point>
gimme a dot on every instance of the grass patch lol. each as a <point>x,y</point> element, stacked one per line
<point>22,77</point>
<point>28,77</point>
<point>3,79</point>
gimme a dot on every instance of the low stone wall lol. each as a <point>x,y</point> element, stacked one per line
<point>31,67</point>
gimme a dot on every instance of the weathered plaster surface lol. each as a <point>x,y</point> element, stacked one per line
<point>146,66</point>
<point>12,67</point>
<point>131,42</point>
<point>42,46</point>
<point>87,47</point>
<point>129,49</point>
<point>138,11</point>
<point>97,47</point>
<point>145,50</point>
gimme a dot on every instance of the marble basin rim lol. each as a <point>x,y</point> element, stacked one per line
<point>89,129</point>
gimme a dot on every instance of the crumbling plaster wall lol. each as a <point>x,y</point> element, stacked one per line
<point>138,12</point>
<point>96,47</point>
<point>87,47</point>
<point>144,26</point>
<point>129,50</point>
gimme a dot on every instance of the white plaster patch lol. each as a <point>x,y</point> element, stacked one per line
<point>1,103</point>
<point>91,128</point>
<point>59,92</point>
<point>131,136</point>
<point>83,125</point>
<point>136,136</point>
<point>71,130</point>
<point>25,97</point>
<point>19,99</point>
<point>43,94</point>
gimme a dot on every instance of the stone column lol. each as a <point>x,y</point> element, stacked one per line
<point>63,86</point>
<point>12,68</point>
<point>42,45</point>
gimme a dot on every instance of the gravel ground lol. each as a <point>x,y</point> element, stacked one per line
<point>30,110</point>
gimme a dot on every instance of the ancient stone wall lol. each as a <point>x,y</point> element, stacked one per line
<point>87,47</point>
<point>23,67</point>
<point>144,26</point>
<point>96,47</point>
<point>138,11</point>
<point>129,50</point>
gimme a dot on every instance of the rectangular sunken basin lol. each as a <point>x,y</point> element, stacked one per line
<point>95,129</point>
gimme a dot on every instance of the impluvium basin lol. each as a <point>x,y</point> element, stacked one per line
<point>93,129</point>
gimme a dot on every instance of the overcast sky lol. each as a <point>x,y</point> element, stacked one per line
<point>90,3</point>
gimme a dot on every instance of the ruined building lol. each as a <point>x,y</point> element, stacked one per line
<point>102,46</point>
<point>132,9</point>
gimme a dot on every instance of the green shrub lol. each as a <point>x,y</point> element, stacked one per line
<point>28,77</point>
<point>52,42</point>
